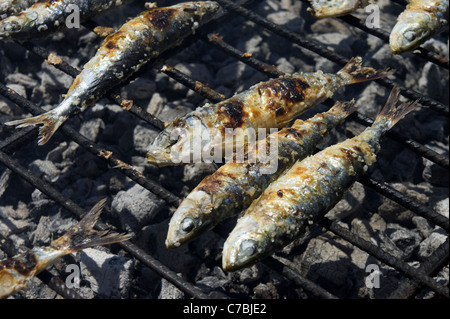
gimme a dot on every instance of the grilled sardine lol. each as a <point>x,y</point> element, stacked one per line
<point>17,272</point>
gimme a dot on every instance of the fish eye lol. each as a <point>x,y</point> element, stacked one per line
<point>248,247</point>
<point>187,225</point>
<point>409,35</point>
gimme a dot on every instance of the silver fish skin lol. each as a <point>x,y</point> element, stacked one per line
<point>17,272</point>
<point>335,8</point>
<point>46,17</point>
<point>271,104</point>
<point>121,54</point>
<point>14,6</point>
<point>421,20</point>
<point>236,184</point>
<point>306,192</point>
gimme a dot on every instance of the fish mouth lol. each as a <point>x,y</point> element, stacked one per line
<point>245,245</point>
<point>162,158</point>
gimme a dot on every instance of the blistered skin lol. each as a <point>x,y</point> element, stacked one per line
<point>14,6</point>
<point>235,185</point>
<point>335,8</point>
<point>271,104</point>
<point>49,16</point>
<point>17,272</point>
<point>122,54</point>
<point>305,193</point>
<point>421,20</point>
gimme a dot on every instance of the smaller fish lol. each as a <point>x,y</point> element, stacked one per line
<point>336,8</point>
<point>121,54</point>
<point>17,272</point>
<point>421,20</point>
<point>14,6</point>
<point>236,184</point>
<point>306,192</point>
<point>47,17</point>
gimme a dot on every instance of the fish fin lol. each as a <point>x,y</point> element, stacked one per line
<point>392,113</point>
<point>50,123</point>
<point>347,107</point>
<point>82,235</point>
<point>353,72</point>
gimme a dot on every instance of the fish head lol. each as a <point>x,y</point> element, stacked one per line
<point>332,8</point>
<point>182,141</point>
<point>411,30</point>
<point>190,219</point>
<point>249,241</point>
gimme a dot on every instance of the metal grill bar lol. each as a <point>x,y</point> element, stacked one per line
<point>405,201</point>
<point>438,259</point>
<point>414,273</point>
<point>127,169</point>
<point>71,206</point>
<point>320,49</point>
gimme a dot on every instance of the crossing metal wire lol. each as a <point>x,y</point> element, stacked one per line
<point>415,278</point>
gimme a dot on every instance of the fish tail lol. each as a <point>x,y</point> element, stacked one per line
<point>82,235</point>
<point>391,114</point>
<point>353,72</point>
<point>50,123</point>
<point>344,107</point>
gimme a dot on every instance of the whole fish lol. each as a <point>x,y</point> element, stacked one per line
<point>236,184</point>
<point>14,6</point>
<point>121,54</point>
<point>17,272</point>
<point>421,20</point>
<point>335,8</point>
<point>46,17</point>
<point>306,192</point>
<point>271,104</point>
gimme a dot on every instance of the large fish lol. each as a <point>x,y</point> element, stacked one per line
<point>46,17</point>
<point>335,8</point>
<point>17,272</point>
<point>306,192</point>
<point>421,20</point>
<point>121,54</point>
<point>271,104</point>
<point>236,184</point>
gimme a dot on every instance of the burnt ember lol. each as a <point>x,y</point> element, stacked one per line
<point>394,219</point>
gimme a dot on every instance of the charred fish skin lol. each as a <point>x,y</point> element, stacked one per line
<point>235,185</point>
<point>49,16</point>
<point>271,104</point>
<point>14,6</point>
<point>335,8</point>
<point>17,272</point>
<point>421,20</point>
<point>122,54</point>
<point>306,192</point>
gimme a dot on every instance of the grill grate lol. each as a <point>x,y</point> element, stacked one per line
<point>418,277</point>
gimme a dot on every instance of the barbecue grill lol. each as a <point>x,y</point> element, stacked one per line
<point>403,275</point>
